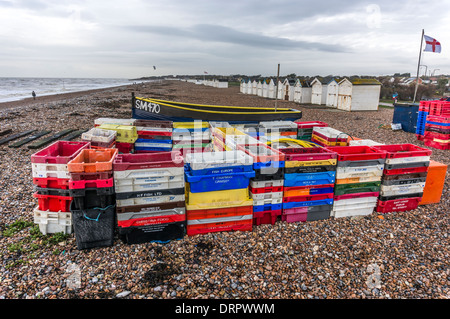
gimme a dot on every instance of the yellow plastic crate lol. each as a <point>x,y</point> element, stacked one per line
<point>328,143</point>
<point>190,125</point>
<point>326,162</point>
<point>125,133</point>
<point>217,199</point>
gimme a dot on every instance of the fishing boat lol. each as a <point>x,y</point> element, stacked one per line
<point>155,109</point>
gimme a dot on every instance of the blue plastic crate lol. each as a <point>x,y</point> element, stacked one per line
<point>301,179</point>
<point>219,170</point>
<point>438,123</point>
<point>259,165</point>
<point>328,201</point>
<point>154,149</point>
<point>218,182</point>
<point>267,207</point>
<point>146,140</point>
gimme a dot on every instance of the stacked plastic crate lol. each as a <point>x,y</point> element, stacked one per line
<point>437,126</point>
<point>191,137</point>
<point>404,177</point>
<point>327,136</point>
<point>150,199</point>
<point>217,194</point>
<point>51,179</point>
<point>424,109</point>
<point>225,138</point>
<point>266,187</point>
<point>358,180</point>
<point>100,138</point>
<point>308,184</point>
<point>153,136</point>
<point>305,129</point>
<point>91,185</point>
<point>126,136</point>
<point>276,130</point>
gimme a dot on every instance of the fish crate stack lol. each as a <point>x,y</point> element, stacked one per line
<point>308,184</point>
<point>217,192</point>
<point>275,130</point>
<point>366,142</point>
<point>327,136</point>
<point>191,137</point>
<point>100,138</point>
<point>266,187</point>
<point>126,136</point>
<point>404,177</point>
<point>358,180</point>
<point>424,109</point>
<point>92,188</point>
<point>150,196</point>
<point>153,136</point>
<point>437,131</point>
<point>51,181</point>
<point>305,129</point>
<point>228,138</point>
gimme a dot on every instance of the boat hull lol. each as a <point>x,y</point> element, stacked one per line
<point>152,109</point>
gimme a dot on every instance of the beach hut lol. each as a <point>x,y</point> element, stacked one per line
<point>359,94</point>
<point>302,91</point>
<point>265,88</point>
<point>319,90</point>
<point>280,89</point>
<point>243,86</point>
<point>222,83</point>
<point>259,88</point>
<point>249,87</point>
<point>288,89</point>
<point>254,86</point>
<point>272,89</point>
<point>332,93</point>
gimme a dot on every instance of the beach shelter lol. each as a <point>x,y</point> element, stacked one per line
<point>319,90</point>
<point>288,89</point>
<point>243,86</point>
<point>249,86</point>
<point>265,88</point>
<point>254,87</point>
<point>272,89</point>
<point>332,93</point>
<point>359,94</point>
<point>302,91</point>
<point>280,89</point>
<point>259,88</point>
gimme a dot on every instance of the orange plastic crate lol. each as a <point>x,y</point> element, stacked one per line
<point>434,183</point>
<point>93,160</point>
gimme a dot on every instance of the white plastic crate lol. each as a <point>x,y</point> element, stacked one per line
<point>153,144</point>
<point>329,132</point>
<point>149,172</point>
<point>360,169</point>
<point>278,125</point>
<point>363,211</point>
<point>149,200</point>
<point>360,180</point>
<point>269,196</point>
<point>376,173</point>
<point>205,160</point>
<point>148,180</point>
<point>268,201</point>
<point>191,136</point>
<point>269,183</point>
<point>53,222</point>
<point>155,213</point>
<point>109,120</point>
<point>49,173</point>
<point>99,135</point>
<point>148,186</point>
<point>393,190</point>
<point>408,160</point>
<point>355,202</point>
<point>366,142</point>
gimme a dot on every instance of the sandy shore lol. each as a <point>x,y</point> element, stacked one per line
<point>328,259</point>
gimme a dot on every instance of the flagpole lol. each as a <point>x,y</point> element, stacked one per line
<point>418,67</point>
<point>276,94</point>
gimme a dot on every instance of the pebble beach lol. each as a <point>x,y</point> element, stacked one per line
<point>403,255</point>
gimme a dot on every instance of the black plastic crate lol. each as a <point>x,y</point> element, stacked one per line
<point>94,227</point>
<point>261,174</point>
<point>386,198</point>
<point>372,162</point>
<point>87,198</point>
<point>162,192</point>
<point>404,181</point>
<point>407,165</point>
<point>319,212</point>
<point>52,191</point>
<point>151,233</point>
<point>309,169</point>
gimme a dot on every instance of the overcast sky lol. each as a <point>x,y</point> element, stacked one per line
<point>125,39</point>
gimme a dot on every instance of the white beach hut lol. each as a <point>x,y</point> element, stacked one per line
<point>272,89</point>
<point>222,83</point>
<point>332,93</point>
<point>259,88</point>
<point>319,88</point>
<point>249,86</point>
<point>359,94</point>
<point>280,89</point>
<point>265,88</point>
<point>243,86</point>
<point>288,89</point>
<point>302,92</point>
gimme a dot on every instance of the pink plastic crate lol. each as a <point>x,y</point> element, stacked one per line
<point>60,152</point>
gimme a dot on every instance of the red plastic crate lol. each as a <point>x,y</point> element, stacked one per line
<point>246,225</point>
<point>439,108</point>
<point>357,153</point>
<point>398,205</point>
<point>419,137</point>
<point>93,183</point>
<point>124,162</point>
<point>330,139</point>
<point>153,220</point>
<point>308,154</point>
<point>91,176</point>
<point>60,152</point>
<point>409,170</point>
<point>303,190</point>
<point>437,118</point>
<point>439,136</point>
<point>270,189</point>
<point>51,182</point>
<point>100,145</point>
<point>266,217</point>
<point>402,150</point>
<point>125,148</point>
<point>438,145</point>
<point>424,106</point>
<point>310,124</point>
<point>296,214</point>
<point>269,153</point>
<point>307,198</point>
<point>53,203</point>
<point>429,126</point>
<point>219,212</point>
<point>356,195</point>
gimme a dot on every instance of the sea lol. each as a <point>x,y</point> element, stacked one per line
<point>16,88</point>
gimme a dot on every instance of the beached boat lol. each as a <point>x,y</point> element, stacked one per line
<point>154,109</point>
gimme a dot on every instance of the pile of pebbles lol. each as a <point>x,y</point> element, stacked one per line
<point>390,256</point>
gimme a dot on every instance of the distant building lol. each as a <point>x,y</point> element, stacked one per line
<point>359,94</point>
